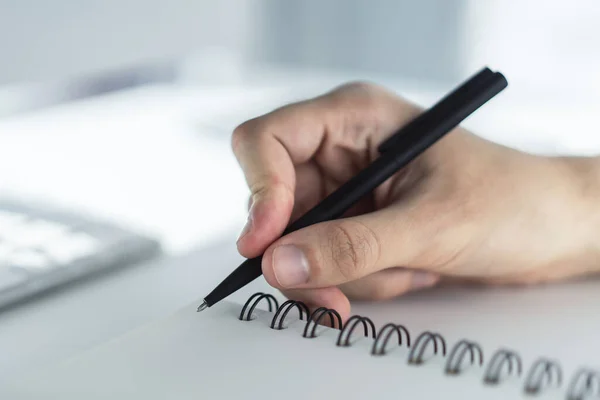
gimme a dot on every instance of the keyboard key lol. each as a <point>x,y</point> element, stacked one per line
<point>30,259</point>
<point>72,246</point>
<point>35,233</point>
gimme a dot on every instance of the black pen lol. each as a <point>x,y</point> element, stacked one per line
<point>395,153</point>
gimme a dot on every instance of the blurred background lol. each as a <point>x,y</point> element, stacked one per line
<point>103,99</point>
<point>116,115</point>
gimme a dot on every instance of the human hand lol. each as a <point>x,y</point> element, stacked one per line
<point>466,208</point>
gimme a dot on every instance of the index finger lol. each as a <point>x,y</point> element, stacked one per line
<point>268,148</point>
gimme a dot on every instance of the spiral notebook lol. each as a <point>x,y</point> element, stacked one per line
<point>452,343</point>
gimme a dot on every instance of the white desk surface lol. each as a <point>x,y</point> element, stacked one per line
<point>156,158</point>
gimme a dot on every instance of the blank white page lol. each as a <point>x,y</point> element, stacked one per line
<point>215,355</point>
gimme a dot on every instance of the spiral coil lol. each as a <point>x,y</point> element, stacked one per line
<point>460,349</point>
<point>585,383</point>
<point>351,324</point>
<point>286,308</point>
<point>416,353</point>
<point>543,368</point>
<point>543,373</point>
<point>317,316</point>
<point>253,301</point>
<point>389,330</point>
<point>500,359</point>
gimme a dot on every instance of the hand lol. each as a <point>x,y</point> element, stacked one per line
<point>466,208</point>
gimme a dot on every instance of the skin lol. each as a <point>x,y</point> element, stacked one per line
<point>466,209</point>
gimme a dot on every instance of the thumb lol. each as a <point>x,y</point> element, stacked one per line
<point>335,252</point>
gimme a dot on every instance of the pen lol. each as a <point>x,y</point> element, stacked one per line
<point>395,153</point>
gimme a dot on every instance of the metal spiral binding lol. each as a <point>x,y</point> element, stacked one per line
<point>543,372</point>
<point>502,357</point>
<point>316,317</point>
<point>542,368</point>
<point>390,328</point>
<point>584,385</point>
<point>287,306</point>
<point>257,297</point>
<point>458,353</point>
<point>355,320</point>
<point>416,353</point>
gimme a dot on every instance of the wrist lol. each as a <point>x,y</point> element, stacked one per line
<point>583,174</point>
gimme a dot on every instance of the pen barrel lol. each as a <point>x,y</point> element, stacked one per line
<point>359,186</point>
<point>441,110</point>
<point>447,117</point>
<point>248,271</point>
<point>406,149</point>
<point>396,152</point>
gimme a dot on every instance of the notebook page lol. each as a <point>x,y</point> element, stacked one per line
<point>556,321</point>
<point>191,356</point>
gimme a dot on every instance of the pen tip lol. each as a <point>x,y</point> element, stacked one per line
<point>202,306</point>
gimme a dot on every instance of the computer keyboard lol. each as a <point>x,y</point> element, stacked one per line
<point>43,248</point>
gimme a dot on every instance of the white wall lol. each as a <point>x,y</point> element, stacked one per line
<point>53,39</point>
<point>542,43</point>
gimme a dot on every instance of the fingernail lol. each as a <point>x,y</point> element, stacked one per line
<point>290,266</point>
<point>247,227</point>
<point>421,279</point>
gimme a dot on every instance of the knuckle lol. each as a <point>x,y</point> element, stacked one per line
<point>353,248</point>
<point>357,93</point>
<point>266,184</point>
<point>357,86</point>
<point>242,133</point>
<point>357,111</point>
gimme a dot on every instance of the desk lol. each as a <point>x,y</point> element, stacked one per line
<point>38,334</point>
<point>154,159</point>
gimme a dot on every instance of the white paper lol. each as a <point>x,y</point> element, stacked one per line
<point>215,355</point>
